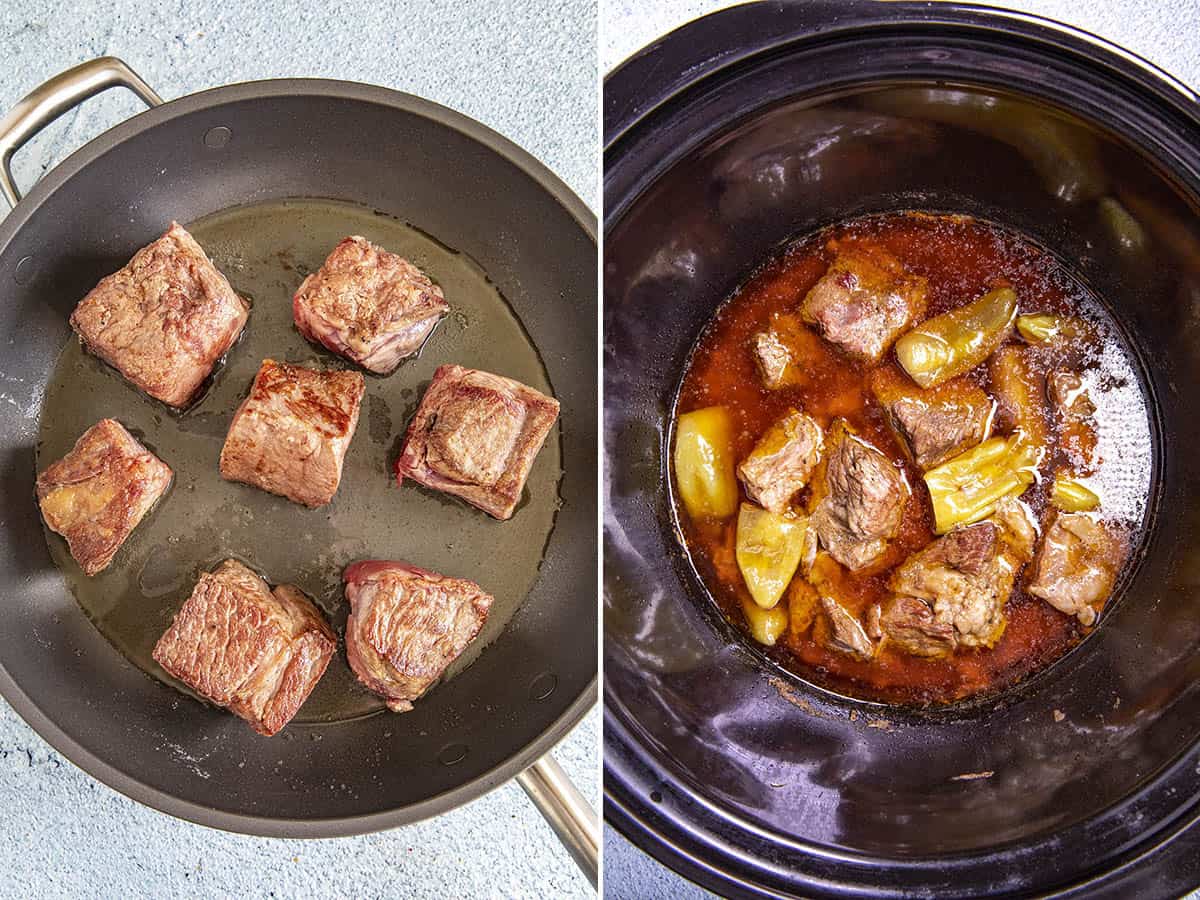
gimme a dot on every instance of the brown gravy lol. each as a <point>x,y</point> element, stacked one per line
<point>962,258</point>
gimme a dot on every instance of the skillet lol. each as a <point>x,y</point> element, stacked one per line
<point>268,175</point>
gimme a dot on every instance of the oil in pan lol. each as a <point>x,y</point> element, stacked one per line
<point>265,250</point>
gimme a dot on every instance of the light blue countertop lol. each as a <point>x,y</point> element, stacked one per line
<point>1164,32</point>
<point>526,69</point>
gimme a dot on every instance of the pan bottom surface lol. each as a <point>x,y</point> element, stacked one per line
<point>265,250</point>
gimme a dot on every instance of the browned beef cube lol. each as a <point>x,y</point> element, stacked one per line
<point>782,460</point>
<point>937,423</point>
<point>164,320</point>
<point>1077,565</point>
<point>912,625</point>
<point>407,625</point>
<point>256,652</point>
<point>98,493</point>
<point>864,301</point>
<point>368,305</point>
<point>290,435</point>
<point>1018,528</point>
<point>1069,395</point>
<point>475,435</point>
<point>864,499</point>
<point>846,634</point>
<point>772,357</point>
<point>964,579</point>
<point>935,431</point>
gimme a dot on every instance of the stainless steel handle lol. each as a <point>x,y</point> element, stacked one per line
<point>567,811</point>
<point>63,92</point>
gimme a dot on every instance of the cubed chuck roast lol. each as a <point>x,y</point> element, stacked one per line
<point>952,593</point>
<point>1077,565</point>
<point>782,460</point>
<point>864,301</point>
<point>164,320</point>
<point>475,435</point>
<point>407,625</point>
<point>291,434</point>
<point>865,494</point>
<point>1069,395</point>
<point>772,357</point>
<point>846,634</point>
<point>371,306</point>
<point>934,425</point>
<point>255,651</point>
<point>98,493</point>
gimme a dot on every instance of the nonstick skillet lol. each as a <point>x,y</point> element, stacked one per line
<point>764,122</point>
<point>269,176</point>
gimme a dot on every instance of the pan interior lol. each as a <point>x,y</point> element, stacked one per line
<point>265,250</point>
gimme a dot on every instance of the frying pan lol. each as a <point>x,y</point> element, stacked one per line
<point>268,175</point>
<point>765,122</point>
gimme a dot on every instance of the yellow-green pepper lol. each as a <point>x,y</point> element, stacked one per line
<point>1071,495</point>
<point>766,625</point>
<point>955,342</point>
<point>768,547</point>
<point>1044,328</point>
<point>967,488</point>
<point>704,463</point>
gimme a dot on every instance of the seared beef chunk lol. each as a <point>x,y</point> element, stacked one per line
<point>969,550</point>
<point>803,604</point>
<point>964,578</point>
<point>782,460</point>
<point>368,305</point>
<point>911,624</point>
<point>257,652</point>
<point>1018,391</point>
<point>1077,565</point>
<point>98,493</point>
<point>864,501</point>
<point>407,625</point>
<point>846,634</point>
<point>1068,394</point>
<point>936,427</point>
<point>1077,432</point>
<point>864,302</point>
<point>772,357</point>
<point>933,424</point>
<point>871,622</point>
<point>290,435</point>
<point>1018,528</point>
<point>476,435</point>
<point>164,320</point>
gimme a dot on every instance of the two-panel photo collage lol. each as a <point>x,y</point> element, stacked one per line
<point>595,448</point>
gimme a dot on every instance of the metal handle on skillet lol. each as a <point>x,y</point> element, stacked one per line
<point>63,92</point>
<point>567,811</point>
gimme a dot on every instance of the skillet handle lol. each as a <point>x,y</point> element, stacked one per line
<point>63,92</point>
<point>567,811</point>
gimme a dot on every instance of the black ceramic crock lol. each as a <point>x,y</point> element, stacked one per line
<point>764,122</point>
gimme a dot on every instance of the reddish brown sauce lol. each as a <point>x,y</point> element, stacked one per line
<point>962,258</point>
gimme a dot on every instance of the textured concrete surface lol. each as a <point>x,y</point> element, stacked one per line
<point>1164,32</point>
<point>527,69</point>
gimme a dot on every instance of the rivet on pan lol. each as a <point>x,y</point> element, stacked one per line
<point>217,137</point>
<point>452,754</point>
<point>23,273</point>
<point>542,686</point>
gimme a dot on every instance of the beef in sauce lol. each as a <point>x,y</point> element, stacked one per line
<point>912,457</point>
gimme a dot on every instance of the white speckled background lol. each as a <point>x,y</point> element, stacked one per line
<point>528,70</point>
<point>1166,32</point>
